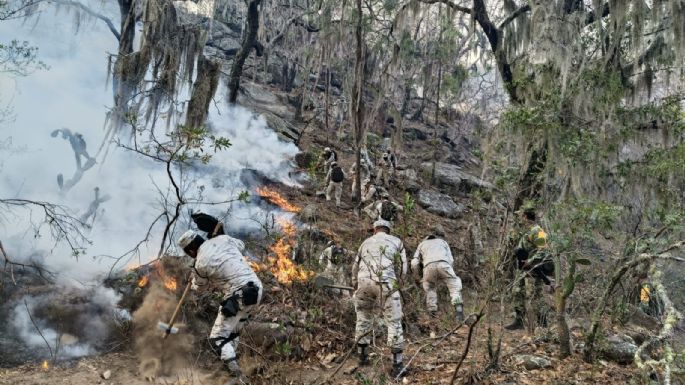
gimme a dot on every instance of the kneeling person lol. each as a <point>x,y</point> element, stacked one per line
<point>432,263</point>
<point>219,261</point>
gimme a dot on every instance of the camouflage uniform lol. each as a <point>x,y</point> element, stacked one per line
<point>374,274</point>
<point>529,280</point>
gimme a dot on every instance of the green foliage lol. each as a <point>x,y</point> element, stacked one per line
<point>19,58</point>
<point>283,348</point>
<point>244,196</point>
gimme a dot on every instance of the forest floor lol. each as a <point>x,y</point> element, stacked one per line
<point>433,365</point>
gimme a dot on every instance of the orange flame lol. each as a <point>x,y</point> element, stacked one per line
<point>170,283</point>
<point>279,263</point>
<point>45,365</point>
<point>276,198</point>
<point>143,281</point>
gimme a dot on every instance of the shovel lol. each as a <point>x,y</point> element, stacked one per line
<point>327,283</point>
<point>168,328</point>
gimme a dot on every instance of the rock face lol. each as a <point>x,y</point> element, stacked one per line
<point>452,176</point>
<point>532,362</point>
<point>619,348</point>
<point>277,113</point>
<point>439,204</point>
<point>409,179</point>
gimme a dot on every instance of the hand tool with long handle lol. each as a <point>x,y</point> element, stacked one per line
<point>169,328</point>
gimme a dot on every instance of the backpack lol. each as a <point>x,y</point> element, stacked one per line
<point>388,211</point>
<point>337,174</point>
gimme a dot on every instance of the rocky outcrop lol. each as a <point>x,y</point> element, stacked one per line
<point>408,179</point>
<point>439,204</point>
<point>451,176</point>
<point>619,348</point>
<point>532,362</point>
<point>277,112</point>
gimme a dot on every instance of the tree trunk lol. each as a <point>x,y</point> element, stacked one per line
<point>357,112</point>
<point>249,39</point>
<point>203,90</point>
<point>564,288</point>
<point>494,35</point>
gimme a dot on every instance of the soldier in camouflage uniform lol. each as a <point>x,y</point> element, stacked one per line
<point>533,270</point>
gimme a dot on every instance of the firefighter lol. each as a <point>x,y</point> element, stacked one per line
<point>335,178</point>
<point>432,264</point>
<point>376,282</point>
<point>219,263</point>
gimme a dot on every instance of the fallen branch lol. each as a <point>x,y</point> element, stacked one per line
<point>437,339</point>
<point>26,305</point>
<point>472,326</point>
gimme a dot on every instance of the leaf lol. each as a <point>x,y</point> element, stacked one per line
<point>583,261</point>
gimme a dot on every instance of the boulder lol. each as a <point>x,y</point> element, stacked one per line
<point>452,176</point>
<point>408,179</point>
<point>439,204</point>
<point>532,362</point>
<point>619,348</point>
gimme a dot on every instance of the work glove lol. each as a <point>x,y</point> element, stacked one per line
<point>206,223</point>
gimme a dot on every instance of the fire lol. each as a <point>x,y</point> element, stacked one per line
<point>276,198</point>
<point>279,262</point>
<point>45,365</point>
<point>170,283</point>
<point>142,282</point>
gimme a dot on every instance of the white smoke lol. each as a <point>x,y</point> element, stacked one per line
<point>72,94</point>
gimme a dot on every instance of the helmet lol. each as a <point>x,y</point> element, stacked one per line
<point>327,149</point>
<point>187,238</point>
<point>366,181</point>
<point>382,223</point>
<point>334,163</point>
<point>538,237</point>
<point>385,194</point>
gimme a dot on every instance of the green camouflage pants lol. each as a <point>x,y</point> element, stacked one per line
<point>528,299</point>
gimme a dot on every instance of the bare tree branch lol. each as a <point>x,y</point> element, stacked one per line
<point>92,13</point>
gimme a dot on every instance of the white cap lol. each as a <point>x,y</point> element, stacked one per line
<point>382,223</point>
<point>327,149</point>
<point>187,238</point>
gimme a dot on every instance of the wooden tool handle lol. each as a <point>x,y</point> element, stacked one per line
<point>178,308</point>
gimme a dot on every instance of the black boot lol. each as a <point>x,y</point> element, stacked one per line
<point>363,351</point>
<point>517,324</point>
<point>398,369</point>
<point>460,312</point>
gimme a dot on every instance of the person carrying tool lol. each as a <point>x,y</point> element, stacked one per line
<point>534,267</point>
<point>335,178</point>
<point>373,275</point>
<point>219,262</point>
<point>432,264</point>
<point>384,208</point>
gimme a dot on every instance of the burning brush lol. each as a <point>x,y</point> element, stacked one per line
<point>277,199</point>
<point>279,262</point>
